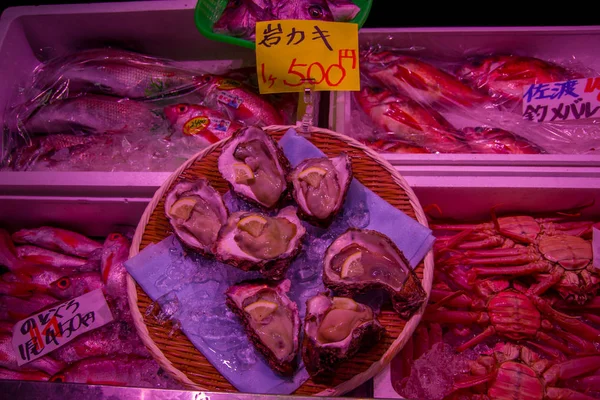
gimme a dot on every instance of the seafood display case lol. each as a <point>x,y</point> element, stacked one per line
<point>144,144</point>
<point>464,186</point>
<point>421,103</point>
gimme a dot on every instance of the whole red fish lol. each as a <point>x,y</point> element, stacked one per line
<point>115,251</point>
<point>92,113</point>
<point>119,370</point>
<point>10,259</point>
<point>39,255</point>
<point>114,338</point>
<point>409,121</point>
<point>41,278</point>
<point>8,359</point>
<point>504,77</point>
<point>42,148</point>
<point>68,287</point>
<point>395,146</point>
<point>498,141</point>
<point>238,101</point>
<point>419,80</point>
<point>62,240</point>
<point>201,122</point>
<point>121,78</point>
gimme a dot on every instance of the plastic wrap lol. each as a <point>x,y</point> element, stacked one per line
<point>115,110</point>
<point>239,17</point>
<point>410,103</point>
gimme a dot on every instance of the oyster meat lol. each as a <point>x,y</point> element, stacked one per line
<point>255,241</point>
<point>360,260</point>
<point>255,166</point>
<point>320,186</point>
<point>196,213</point>
<point>334,330</point>
<point>270,319</point>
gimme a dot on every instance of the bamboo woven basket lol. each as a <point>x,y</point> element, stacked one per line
<point>178,356</point>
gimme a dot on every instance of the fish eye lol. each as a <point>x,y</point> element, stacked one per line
<point>182,108</point>
<point>114,236</point>
<point>315,11</point>
<point>206,78</point>
<point>63,283</point>
<point>376,90</point>
<point>57,378</point>
<point>235,3</point>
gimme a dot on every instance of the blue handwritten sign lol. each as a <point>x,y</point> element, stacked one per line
<point>560,101</point>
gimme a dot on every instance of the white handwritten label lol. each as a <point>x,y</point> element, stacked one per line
<point>50,329</point>
<point>596,247</point>
<point>561,101</point>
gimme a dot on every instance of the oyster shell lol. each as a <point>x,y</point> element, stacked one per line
<point>334,330</point>
<point>360,260</point>
<point>255,167</point>
<point>320,187</point>
<point>255,241</point>
<point>196,213</point>
<point>270,319</point>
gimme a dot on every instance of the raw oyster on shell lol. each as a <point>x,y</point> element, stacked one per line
<point>254,241</point>
<point>270,319</point>
<point>255,167</point>
<point>196,213</point>
<point>320,186</point>
<point>360,260</point>
<point>334,330</point>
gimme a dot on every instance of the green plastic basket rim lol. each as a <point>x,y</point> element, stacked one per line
<point>206,30</point>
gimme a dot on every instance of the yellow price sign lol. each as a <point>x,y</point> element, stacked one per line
<point>293,53</point>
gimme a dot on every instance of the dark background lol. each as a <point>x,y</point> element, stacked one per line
<point>428,13</point>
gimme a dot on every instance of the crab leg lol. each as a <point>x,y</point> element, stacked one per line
<point>574,228</point>
<point>504,256</point>
<point>593,304</point>
<point>472,381</point>
<point>461,227</point>
<point>585,345</point>
<point>442,298</point>
<point>517,270</point>
<point>571,369</point>
<point>421,342</point>
<point>546,282</point>
<point>587,384</point>
<point>551,351</point>
<point>455,317</point>
<point>491,242</point>
<point>402,365</point>
<point>489,331</point>
<point>569,323</point>
<point>452,241</point>
<point>544,337</point>
<point>592,318</point>
<point>566,394</point>
<point>435,334</point>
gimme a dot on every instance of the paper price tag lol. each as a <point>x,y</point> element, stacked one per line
<point>562,101</point>
<point>52,328</point>
<point>292,53</point>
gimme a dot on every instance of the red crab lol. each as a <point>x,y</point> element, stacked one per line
<point>511,371</point>
<point>553,250</point>
<point>503,309</point>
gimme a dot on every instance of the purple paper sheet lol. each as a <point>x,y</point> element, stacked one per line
<point>190,289</point>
